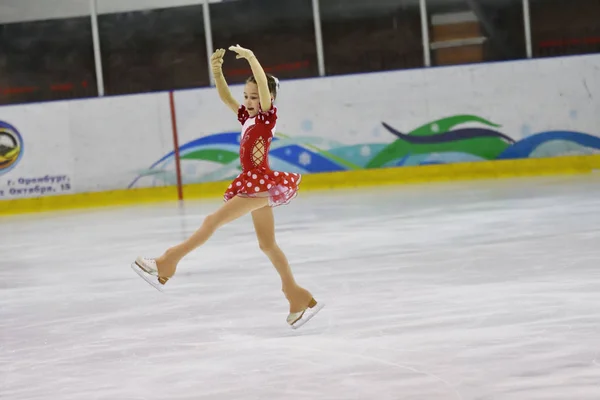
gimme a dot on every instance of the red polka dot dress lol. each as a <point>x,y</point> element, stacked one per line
<point>257,179</point>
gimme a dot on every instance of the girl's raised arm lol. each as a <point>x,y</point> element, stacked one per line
<point>259,75</point>
<point>216,62</point>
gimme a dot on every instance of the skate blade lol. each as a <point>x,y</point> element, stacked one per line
<point>307,316</point>
<point>151,279</point>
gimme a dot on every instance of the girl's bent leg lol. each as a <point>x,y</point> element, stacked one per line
<point>230,211</point>
<point>264,225</point>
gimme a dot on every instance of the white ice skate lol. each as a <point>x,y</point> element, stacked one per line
<point>297,319</point>
<point>146,269</point>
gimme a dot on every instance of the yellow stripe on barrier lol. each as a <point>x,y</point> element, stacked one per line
<point>88,200</point>
<point>330,180</point>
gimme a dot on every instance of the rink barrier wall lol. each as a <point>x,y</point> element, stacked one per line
<point>449,123</point>
<point>565,165</point>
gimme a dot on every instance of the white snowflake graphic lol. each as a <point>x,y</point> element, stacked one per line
<point>190,169</point>
<point>304,158</point>
<point>365,151</point>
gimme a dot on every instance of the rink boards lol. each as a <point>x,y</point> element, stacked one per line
<point>489,120</point>
<point>569,165</point>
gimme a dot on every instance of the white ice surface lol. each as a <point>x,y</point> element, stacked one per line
<point>479,290</point>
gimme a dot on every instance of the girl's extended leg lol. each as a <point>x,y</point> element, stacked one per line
<point>264,225</point>
<point>235,208</point>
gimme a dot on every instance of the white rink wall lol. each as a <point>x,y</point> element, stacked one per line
<point>533,108</point>
<point>86,145</point>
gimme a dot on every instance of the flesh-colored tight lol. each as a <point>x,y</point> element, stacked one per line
<point>264,225</point>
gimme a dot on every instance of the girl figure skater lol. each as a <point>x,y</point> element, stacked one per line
<point>256,190</point>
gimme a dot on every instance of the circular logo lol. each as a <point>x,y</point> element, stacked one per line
<point>11,147</point>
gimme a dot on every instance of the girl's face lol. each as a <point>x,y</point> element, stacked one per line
<point>251,99</point>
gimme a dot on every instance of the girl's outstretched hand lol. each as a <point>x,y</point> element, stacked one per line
<point>216,60</point>
<point>241,52</point>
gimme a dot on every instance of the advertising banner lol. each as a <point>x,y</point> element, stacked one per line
<point>35,151</point>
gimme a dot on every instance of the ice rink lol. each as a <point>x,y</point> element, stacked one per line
<point>476,290</point>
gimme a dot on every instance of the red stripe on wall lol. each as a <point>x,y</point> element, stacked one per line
<point>292,66</point>
<point>176,146</point>
<point>569,42</point>
<point>18,90</point>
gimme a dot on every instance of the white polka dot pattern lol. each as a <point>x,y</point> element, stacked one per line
<point>259,180</point>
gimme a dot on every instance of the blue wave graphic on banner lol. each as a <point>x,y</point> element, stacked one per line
<point>306,158</point>
<point>303,154</point>
<point>524,148</point>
